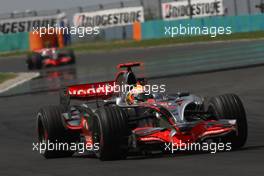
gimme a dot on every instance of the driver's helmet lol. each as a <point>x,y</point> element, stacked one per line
<point>137,94</point>
<point>47,52</point>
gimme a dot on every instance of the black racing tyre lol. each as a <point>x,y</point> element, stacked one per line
<point>71,54</point>
<point>30,64</point>
<point>38,60</point>
<point>229,106</point>
<point>51,130</point>
<point>34,61</point>
<point>73,57</point>
<point>110,130</point>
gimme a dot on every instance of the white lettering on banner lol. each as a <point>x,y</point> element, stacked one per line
<point>27,24</point>
<point>196,8</point>
<point>109,18</point>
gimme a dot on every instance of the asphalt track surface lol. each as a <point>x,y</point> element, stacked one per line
<point>17,121</point>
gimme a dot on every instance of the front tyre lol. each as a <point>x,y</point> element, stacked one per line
<point>30,64</point>
<point>34,61</point>
<point>110,130</point>
<point>229,106</point>
<point>51,132</point>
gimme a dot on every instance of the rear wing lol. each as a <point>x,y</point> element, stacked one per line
<point>92,91</point>
<point>129,65</point>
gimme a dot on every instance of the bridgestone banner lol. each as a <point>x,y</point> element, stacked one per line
<point>192,8</point>
<point>109,18</point>
<point>14,25</point>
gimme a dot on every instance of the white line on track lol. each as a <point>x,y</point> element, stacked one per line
<point>19,79</point>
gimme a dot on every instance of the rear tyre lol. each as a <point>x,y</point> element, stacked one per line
<point>72,56</point>
<point>230,106</point>
<point>110,130</point>
<point>51,131</point>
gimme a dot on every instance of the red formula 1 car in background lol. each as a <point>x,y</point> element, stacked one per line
<point>134,121</point>
<point>48,57</point>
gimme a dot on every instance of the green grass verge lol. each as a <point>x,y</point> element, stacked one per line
<point>115,45</point>
<point>13,53</point>
<point>6,76</point>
